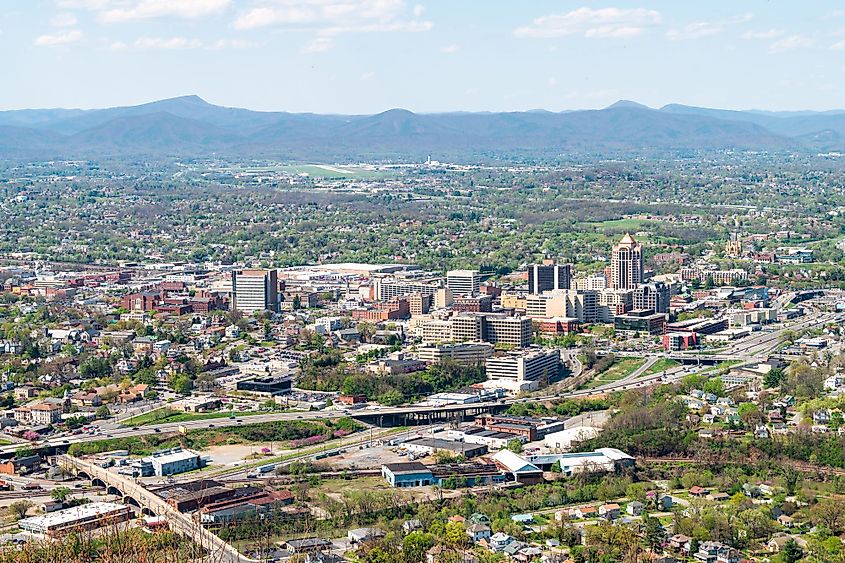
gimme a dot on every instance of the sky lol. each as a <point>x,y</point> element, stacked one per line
<point>366,56</point>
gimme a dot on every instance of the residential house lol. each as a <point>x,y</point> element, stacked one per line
<point>635,508</point>
<point>610,511</point>
<point>411,526</point>
<point>478,532</point>
<point>775,545</point>
<point>499,541</point>
<point>361,535</point>
<point>786,521</point>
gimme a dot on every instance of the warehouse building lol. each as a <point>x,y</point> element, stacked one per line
<point>79,518</point>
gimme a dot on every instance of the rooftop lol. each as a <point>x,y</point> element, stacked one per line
<point>70,515</point>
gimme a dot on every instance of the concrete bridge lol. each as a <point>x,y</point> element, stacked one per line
<point>386,417</point>
<point>133,493</point>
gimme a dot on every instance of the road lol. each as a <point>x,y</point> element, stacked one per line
<point>750,349</point>
<point>219,550</point>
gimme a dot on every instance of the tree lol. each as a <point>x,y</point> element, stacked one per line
<point>103,412</point>
<point>791,553</point>
<point>654,532</point>
<point>18,509</point>
<point>749,413</point>
<point>455,535</point>
<point>415,545</point>
<point>515,446</point>
<point>715,386</point>
<point>774,378</point>
<point>829,513</point>
<point>60,494</point>
<point>791,479</point>
<point>182,384</point>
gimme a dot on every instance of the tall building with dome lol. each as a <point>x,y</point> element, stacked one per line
<point>626,264</point>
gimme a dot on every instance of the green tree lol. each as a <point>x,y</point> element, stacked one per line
<point>415,545</point>
<point>515,446</point>
<point>103,412</point>
<point>19,508</point>
<point>774,377</point>
<point>60,493</point>
<point>455,535</point>
<point>791,553</point>
<point>655,535</point>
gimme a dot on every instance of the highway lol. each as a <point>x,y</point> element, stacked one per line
<point>749,349</point>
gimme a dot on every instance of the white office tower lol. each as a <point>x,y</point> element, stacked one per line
<point>463,282</point>
<point>255,290</point>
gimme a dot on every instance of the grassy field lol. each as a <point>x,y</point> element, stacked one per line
<point>622,368</point>
<point>164,415</point>
<point>660,365</point>
<point>627,224</point>
<point>288,434</point>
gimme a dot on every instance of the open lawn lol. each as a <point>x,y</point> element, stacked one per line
<point>660,365</point>
<point>627,224</point>
<point>623,367</point>
<point>163,415</point>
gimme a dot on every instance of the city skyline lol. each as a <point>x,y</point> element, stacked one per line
<point>296,55</point>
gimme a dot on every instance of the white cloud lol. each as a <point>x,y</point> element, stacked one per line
<point>449,49</point>
<point>552,81</point>
<point>839,46</point>
<point>118,46</point>
<point>63,20</point>
<point>222,44</point>
<point>334,17</point>
<point>790,43</point>
<point>698,30</point>
<point>118,11</point>
<point>62,38</point>
<point>83,4</point>
<point>767,34</point>
<point>166,43</point>
<point>694,31</point>
<point>367,76</point>
<point>318,45</point>
<point>603,22</point>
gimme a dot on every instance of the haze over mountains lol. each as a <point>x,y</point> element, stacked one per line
<point>189,126</point>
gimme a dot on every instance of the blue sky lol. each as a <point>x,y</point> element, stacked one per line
<point>365,56</point>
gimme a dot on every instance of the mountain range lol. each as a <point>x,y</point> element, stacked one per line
<point>188,126</point>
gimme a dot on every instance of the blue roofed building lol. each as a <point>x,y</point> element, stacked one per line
<point>410,474</point>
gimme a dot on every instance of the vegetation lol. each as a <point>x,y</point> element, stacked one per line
<point>390,389</point>
<point>277,431</point>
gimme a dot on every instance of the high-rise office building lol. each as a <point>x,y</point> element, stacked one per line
<point>255,290</point>
<point>626,264</point>
<point>463,282</point>
<point>653,296</point>
<point>548,277</point>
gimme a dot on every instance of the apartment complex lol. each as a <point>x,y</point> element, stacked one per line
<point>492,328</point>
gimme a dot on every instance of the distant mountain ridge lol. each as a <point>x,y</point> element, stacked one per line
<point>190,126</point>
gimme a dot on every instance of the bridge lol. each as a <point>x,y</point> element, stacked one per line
<point>134,494</point>
<point>426,415</point>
